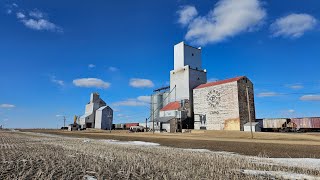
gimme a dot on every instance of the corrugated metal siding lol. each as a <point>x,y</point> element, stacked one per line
<point>274,123</point>
<point>306,122</point>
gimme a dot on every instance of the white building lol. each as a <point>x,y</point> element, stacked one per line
<point>187,73</point>
<point>97,114</point>
<point>223,105</point>
<point>255,127</point>
<point>177,112</point>
<point>196,104</point>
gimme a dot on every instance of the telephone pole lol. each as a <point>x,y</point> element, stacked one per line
<point>64,121</point>
<point>249,113</point>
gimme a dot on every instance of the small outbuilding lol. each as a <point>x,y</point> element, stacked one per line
<point>255,127</point>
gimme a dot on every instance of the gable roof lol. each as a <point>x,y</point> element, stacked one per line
<point>171,106</point>
<point>219,82</point>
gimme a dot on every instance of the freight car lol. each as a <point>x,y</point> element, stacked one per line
<point>119,126</point>
<point>290,124</point>
<point>276,124</point>
<point>128,125</point>
<point>306,124</point>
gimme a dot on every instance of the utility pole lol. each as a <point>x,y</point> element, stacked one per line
<point>146,124</point>
<point>249,113</point>
<point>64,121</point>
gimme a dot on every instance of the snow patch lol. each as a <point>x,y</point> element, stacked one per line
<point>86,140</point>
<point>137,143</point>
<point>198,150</point>
<point>87,177</point>
<point>297,162</point>
<point>279,174</point>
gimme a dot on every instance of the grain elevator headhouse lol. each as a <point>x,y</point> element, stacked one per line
<point>187,74</point>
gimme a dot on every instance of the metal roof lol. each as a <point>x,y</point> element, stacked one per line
<point>171,106</point>
<point>253,123</point>
<point>219,82</point>
<point>85,115</point>
<point>102,108</point>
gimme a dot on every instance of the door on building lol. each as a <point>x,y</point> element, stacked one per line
<point>88,125</point>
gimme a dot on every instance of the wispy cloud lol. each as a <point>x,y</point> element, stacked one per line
<point>7,106</point>
<point>267,94</point>
<point>34,19</point>
<point>57,81</point>
<point>310,98</point>
<point>91,83</point>
<point>227,19</point>
<point>113,69</point>
<point>36,14</point>
<point>296,86</point>
<point>11,7</point>
<point>139,101</point>
<point>141,83</point>
<point>130,102</point>
<point>293,25</point>
<point>146,99</point>
<point>5,120</point>
<point>91,66</point>
<point>186,14</point>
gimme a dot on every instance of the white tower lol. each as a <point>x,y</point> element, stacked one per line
<point>187,73</point>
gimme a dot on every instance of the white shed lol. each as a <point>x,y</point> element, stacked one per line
<point>255,127</point>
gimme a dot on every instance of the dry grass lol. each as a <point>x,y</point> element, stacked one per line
<point>29,156</point>
<point>271,144</point>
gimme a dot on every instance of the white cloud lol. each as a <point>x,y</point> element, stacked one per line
<point>296,86</point>
<point>113,69</point>
<point>227,19</point>
<point>6,119</point>
<point>141,83</point>
<point>267,94</point>
<point>146,99</point>
<point>14,5</point>
<point>91,82</point>
<point>57,81</point>
<point>9,11</point>
<point>310,98</point>
<point>291,111</point>
<point>41,24</point>
<point>130,102</point>
<point>186,14</point>
<point>36,14</point>
<point>35,20</point>
<point>91,66</point>
<point>20,15</point>
<point>139,101</point>
<point>293,25</point>
<point>7,106</point>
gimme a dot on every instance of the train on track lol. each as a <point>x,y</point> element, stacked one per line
<point>310,124</point>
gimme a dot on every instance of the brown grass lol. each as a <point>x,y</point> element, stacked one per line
<point>30,156</point>
<point>270,144</point>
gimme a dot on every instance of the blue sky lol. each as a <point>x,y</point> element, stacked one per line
<point>53,54</point>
